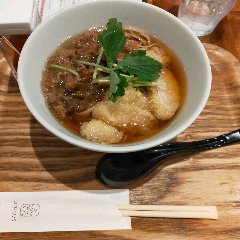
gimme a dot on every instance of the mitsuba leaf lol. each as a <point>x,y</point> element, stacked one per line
<point>112,40</point>
<point>118,84</point>
<point>114,81</point>
<point>138,53</point>
<point>144,67</point>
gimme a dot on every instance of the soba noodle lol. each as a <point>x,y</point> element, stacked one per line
<point>145,42</point>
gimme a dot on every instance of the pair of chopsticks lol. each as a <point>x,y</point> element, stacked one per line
<point>169,211</point>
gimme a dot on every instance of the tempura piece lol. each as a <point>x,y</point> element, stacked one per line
<point>164,100</point>
<point>134,97</point>
<point>98,131</point>
<point>129,113</point>
<point>160,55</point>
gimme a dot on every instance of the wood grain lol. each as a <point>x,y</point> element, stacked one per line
<point>32,159</point>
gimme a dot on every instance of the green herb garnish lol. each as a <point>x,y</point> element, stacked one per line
<point>112,40</point>
<point>136,68</point>
<point>65,69</point>
<point>144,67</point>
<point>118,83</point>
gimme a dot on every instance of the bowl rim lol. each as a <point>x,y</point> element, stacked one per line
<point>138,146</point>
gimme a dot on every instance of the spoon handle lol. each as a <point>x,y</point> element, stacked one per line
<point>210,143</point>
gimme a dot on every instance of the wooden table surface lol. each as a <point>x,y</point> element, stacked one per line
<point>32,159</point>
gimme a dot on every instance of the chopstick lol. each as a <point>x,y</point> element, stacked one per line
<point>5,55</point>
<point>10,45</point>
<point>169,211</point>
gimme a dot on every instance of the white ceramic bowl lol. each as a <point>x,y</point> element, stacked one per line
<point>43,41</point>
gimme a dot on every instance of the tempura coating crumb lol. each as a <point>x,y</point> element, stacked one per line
<point>164,100</point>
<point>160,55</point>
<point>129,113</point>
<point>134,97</point>
<point>100,132</point>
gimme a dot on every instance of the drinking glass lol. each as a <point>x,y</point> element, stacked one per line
<point>202,16</point>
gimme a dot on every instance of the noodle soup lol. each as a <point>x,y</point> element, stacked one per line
<point>82,105</point>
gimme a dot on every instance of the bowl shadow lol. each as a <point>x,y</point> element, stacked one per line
<point>68,164</point>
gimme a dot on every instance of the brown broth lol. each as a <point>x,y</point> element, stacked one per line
<point>73,123</point>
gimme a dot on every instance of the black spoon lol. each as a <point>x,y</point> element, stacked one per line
<point>123,169</point>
